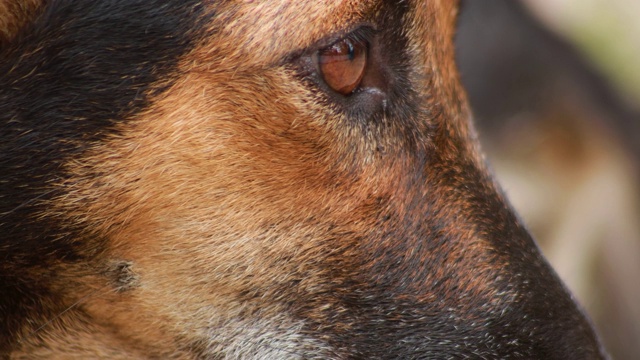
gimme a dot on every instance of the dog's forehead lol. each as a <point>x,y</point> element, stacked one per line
<point>273,29</point>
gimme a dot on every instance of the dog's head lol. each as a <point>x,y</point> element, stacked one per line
<point>268,179</point>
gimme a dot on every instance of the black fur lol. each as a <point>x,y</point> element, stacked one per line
<point>82,67</point>
<point>70,76</point>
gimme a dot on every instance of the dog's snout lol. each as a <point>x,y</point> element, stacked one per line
<point>263,180</point>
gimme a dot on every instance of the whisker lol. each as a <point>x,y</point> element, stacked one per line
<point>60,314</point>
<point>109,288</point>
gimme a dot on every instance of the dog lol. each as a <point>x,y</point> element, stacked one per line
<point>257,180</point>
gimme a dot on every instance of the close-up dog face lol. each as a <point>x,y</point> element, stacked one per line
<point>273,179</point>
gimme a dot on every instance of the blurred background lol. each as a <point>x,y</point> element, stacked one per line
<point>555,88</point>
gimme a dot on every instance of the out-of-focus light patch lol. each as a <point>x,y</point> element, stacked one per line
<point>607,31</point>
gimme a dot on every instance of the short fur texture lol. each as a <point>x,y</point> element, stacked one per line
<point>177,182</point>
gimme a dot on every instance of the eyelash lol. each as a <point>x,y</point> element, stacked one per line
<point>363,35</point>
<point>360,104</point>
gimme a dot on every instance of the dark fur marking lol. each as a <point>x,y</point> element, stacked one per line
<point>388,328</point>
<point>397,278</point>
<point>121,274</point>
<point>66,81</point>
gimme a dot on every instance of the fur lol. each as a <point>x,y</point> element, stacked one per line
<point>178,182</point>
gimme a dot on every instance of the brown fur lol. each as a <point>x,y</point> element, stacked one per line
<point>15,15</point>
<point>237,211</point>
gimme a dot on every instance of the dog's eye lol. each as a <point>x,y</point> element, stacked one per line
<point>343,64</point>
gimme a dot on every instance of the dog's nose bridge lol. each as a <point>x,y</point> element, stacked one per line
<point>448,254</point>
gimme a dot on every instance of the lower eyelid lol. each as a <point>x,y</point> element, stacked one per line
<point>367,96</point>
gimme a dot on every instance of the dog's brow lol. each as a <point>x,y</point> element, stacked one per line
<point>273,30</point>
<point>182,179</point>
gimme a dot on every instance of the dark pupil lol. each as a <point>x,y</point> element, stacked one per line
<point>352,52</point>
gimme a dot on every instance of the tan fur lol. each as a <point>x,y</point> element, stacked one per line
<point>221,202</point>
<point>14,15</point>
<point>186,192</point>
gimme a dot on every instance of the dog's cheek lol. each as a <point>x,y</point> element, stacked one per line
<point>190,202</point>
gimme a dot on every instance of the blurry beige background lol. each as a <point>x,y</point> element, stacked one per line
<point>607,31</point>
<point>555,86</point>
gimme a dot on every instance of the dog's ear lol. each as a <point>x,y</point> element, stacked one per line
<point>15,15</point>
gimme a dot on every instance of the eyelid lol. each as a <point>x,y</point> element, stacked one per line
<point>371,92</point>
<point>360,33</point>
<point>363,35</point>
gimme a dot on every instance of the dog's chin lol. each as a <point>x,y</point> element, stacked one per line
<point>277,337</point>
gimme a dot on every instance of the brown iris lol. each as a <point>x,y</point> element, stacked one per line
<point>342,65</point>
